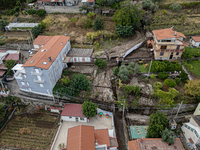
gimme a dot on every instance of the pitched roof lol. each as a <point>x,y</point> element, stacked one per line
<point>12,56</point>
<point>51,49</point>
<point>80,52</point>
<point>154,143</point>
<point>81,138</point>
<point>167,33</point>
<point>196,38</point>
<point>74,110</point>
<point>42,40</point>
<point>3,67</point>
<point>102,137</point>
<point>2,72</point>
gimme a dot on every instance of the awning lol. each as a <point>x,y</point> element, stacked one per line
<point>67,59</point>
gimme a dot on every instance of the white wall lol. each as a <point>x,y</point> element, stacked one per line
<point>66,118</point>
<point>193,122</point>
<point>55,111</point>
<point>80,59</point>
<point>189,134</point>
<point>197,44</point>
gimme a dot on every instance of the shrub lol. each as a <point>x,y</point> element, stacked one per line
<point>3,23</point>
<point>123,73</point>
<point>48,21</point>
<point>164,12</point>
<point>65,80</point>
<point>4,18</point>
<point>163,75</point>
<point>73,20</point>
<point>2,42</point>
<point>31,11</point>
<point>80,82</point>
<point>175,7</point>
<point>91,14</point>
<point>16,9</point>
<point>89,109</point>
<point>184,76</point>
<point>36,31</point>
<point>157,85</point>
<point>177,80</point>
<point>100,63</point>
<point>130,88</point>
<point>116,71</point>
<point>169,83</point>
<point>168,136</point>
<point>16,14</point>
<point>84,22</point>
<point>153,76</point>
<point>132,67</point>
<point>42,25</point>
<point>146,4</point>
<point>193,87</point>
<point>41,13</point>
<point>124,31</point>
<point>98,23</point>
<point>88,23</point>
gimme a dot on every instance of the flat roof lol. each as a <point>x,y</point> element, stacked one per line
<point>21,25</point>
<point>138,131</point>
<point>80,52</point>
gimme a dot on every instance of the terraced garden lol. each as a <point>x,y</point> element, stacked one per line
<point>33,132</point>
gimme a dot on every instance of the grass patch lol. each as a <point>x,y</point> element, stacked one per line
<point>73,20</point>
<point>195,64</point>
<point>143,69</point>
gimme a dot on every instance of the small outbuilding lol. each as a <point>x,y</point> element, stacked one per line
<point>195,41</point>
<point>73,112</point>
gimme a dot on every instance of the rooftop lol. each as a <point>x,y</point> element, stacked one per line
<point>20,25</point>
<point>12,56</point>
<point>167,33</point>
<point>3,67</point>
<point>154,144</point>
<point>42,40</point>
<point>81,138</point>
<point>102,137</point>
<point>138,132</point>
<point>74,110</point>
<point>196,38</point>
<point>51,49</point>
<point>80,52</point>
<point>2,72</point>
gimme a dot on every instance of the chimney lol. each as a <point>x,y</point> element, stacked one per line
<point>49,59</point>
<point>96,144</point>
<point>172,27</point>
<point>175,33</point>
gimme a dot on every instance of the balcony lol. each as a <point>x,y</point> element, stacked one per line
<point>36,73</point>
<point>18,75</point>
<point>38,81</point>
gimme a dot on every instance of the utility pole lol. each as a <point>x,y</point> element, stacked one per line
<point>149,68</point>
<point>178,109</point>
<point>123,107</point>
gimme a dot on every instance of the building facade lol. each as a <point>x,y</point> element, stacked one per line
<point>195,41</point>
<point>40,73</point>
<point>168,44</point>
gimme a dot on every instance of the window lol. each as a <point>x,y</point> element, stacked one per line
<point>185,125</point>
<point>31,61</point>
<point>44,63</point>
<point>166,40</point>
<point>22,83</point>
<point>81,118</point>
<point>192,129</point>
<point>178,47</point>
<point>161,53</point>
<point>197,135</point>
<point>41,85</point>
<point>177,53</point>
<point>163,47</point>
<point>70,117</point>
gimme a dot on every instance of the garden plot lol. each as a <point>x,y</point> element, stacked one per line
<point>29,131</point>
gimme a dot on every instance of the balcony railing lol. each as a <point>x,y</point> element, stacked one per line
<point>38,81</point>
<point>18,75</point>
<point>36,73</point>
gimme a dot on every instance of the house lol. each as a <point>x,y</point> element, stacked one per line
<point>154,144</point>
<point>86,138</point>
<point>191,131</point>
<point>195,41</point>
<point>79,55</point>
<point>11,56</point>
<point>138,131</point>
<point>88,2</point>
<point>168,44</point>
<point>73,112</point>
<point>40,73</point>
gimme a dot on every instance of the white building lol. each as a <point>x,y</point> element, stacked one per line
<point>73,112</point>
<point>191,131</point>
<point>195,41</point>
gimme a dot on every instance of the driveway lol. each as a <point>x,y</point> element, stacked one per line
<point>97,122</point>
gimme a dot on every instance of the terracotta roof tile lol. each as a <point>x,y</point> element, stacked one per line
<point>74,110</point>
<point>102,137</point>
<point>12,56</point>
<point>42,40</point>
<point>167,33</point>
<point>196,38</point>
<point>2,72</point>
<point>133,145</point>
<point>88,1</point>
<point>3,67</point>
<point>81,138</point>
<point>53,48</point>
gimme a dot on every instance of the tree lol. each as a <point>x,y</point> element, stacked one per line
<point>89,109</point>
<point>100,63</point>
<point>9,63</point>
<point>146,4</point>
<point>42,25</point>
<point>124,31</point>
<point>36,31</point>
<point>41,13</point>
<point>163,75</point>
<point>116,71</point>
<point>175,7</point>
<point>80,82</point>
<point>133,67</point>
<point>188,53</point>
<point>169,83</point>
<point>98,23</point>
<point>168,136</point>
<point>192,87</point>
<point>184,76</point>
<point>100,2</point>
<point>123,73</point>
<point>3,23</point>
<point>128,15</point>
<point>31,11</point>
<point>158,122</point>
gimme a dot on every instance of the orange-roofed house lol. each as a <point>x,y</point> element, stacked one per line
<point>84,137</point>
<point>40,73</point>
<point>195,41</point>
<point>168,44</point>
<point>154,144</point>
